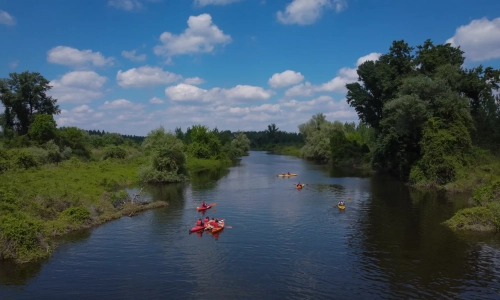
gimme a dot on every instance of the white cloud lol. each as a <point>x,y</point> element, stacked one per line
<point>133,56</point>
<point>145,76</point>
<point>305,12</point>
<point>155,100</point>
<point>190,93</point>
<point>336,85</point>
<point>6,18</point>
<point>201,3</point>
<point>374,56</point>
<point>480,39</point>
<point>201,36</point>
<point>68,56</point>
<point>194,81</point>
<point>120,104</point>
<point>129,5</point>
<point>78,87</point>
<point>286,78</point>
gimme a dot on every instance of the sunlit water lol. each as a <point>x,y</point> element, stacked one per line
<point>284,243</point>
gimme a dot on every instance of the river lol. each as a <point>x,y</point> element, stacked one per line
<point>284,243</point>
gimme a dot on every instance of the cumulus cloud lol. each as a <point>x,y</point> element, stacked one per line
<point>155,100</point>
<point>69,56</point>
<point>374,56</point>
<point>201,36</point>
<point>480,39</point>
<point>120,104</point>
<point>6,18</point>
<point>202,3</point>
<point>305,12</point>
<point>194,81</point>
<point>78,87</point>
<point>131,55</point>
<point>286,78</point>
<point>336,85</point>
<point>145,76</point>
<point>190,93</point>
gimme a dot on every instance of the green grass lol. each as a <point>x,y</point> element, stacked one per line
<point>37,204</point>
<point>286,150</point>
<point>198,164</point>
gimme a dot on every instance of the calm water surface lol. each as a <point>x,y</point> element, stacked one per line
<point>284,243</point>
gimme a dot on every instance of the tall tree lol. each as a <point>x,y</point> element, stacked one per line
<point>24,96</point>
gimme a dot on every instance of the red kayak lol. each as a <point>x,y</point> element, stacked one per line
<point>203,208</point>
<point>196,228</point>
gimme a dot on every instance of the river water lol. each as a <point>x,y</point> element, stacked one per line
<point>284,243</point>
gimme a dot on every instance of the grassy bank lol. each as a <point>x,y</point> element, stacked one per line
<point>40,203</point>
<point>482,178</point>
<point>290,150</point>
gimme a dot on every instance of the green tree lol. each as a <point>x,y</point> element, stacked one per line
<point>24,96</point>
<point>168,160</point>
<point>43,128</point>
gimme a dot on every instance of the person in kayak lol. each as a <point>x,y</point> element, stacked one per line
<point>299,185</point>
<point>207,219</point>
<point>199,222</point>
<point>341,203</point>
<point>203,205</point>
<point>288,173</point>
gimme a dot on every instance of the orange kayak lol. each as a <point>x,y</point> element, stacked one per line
<point>216,229</point>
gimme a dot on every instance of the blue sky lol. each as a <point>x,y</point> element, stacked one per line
<point>130,66</point>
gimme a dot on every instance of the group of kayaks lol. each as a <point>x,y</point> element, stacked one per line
<point>299,186</point>
<point>213,226</point>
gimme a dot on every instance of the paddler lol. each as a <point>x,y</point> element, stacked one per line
<point>199,222</point>
<point>289,173</point>
<point>203,205</point>
<point>299,185</point>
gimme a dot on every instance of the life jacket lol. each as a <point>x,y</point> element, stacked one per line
<point>198,223</point>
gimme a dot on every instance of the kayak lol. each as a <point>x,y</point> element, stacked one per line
<point>203,208</point>
<point>196,228</point>
<point>300,186</point>
<point>221,226</point>
<point>214,230</point>
<point>341,207</point>
<point>286,175</point>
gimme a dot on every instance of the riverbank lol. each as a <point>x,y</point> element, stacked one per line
<point>482,179</point>
<point>52,200</point>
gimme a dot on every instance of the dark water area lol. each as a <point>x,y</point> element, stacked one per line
<point>284,243</point>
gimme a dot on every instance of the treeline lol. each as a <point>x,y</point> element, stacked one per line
<point>135,138</point>
<point>272,136</point>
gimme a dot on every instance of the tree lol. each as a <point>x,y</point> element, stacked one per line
<point>24,96</point>
<point>43,128</point>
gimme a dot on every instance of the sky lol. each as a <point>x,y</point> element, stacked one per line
<point>130,66</point>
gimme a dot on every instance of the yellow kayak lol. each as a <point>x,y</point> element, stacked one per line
<point>286,175</point>
<point>341,207</point>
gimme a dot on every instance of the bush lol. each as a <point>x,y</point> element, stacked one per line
<point>26,160</point>
<point>76,215</point>
<point>21,238</point>
<point>115,152</point>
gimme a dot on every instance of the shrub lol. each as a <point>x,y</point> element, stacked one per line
<point>115,152</point>
<point>76,214</point>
